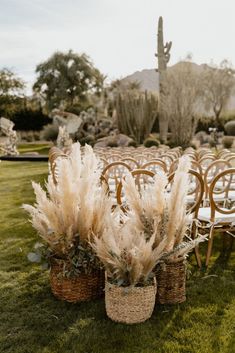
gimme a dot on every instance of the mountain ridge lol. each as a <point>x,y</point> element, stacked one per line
<point>149,80</point>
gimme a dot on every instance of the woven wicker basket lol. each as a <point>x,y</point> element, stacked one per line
<point>83,287</point>
<point>130,306</point>
<point>171,278</point>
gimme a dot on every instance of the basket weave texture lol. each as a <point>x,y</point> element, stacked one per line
<point>129,305</point>
<point>171,278</point>
<point>83,287</point>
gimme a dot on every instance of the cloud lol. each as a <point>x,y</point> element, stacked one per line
<point>119,36</point>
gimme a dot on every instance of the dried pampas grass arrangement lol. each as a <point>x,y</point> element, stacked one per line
<point>161,214</point>
<point>128,257</point>
<point>70,211</point>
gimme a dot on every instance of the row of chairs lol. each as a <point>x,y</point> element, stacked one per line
<point>208,201</point>
<point>217,215</point>
<point>114,171</point>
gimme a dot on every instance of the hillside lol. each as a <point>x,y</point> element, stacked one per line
<point>149,80</point>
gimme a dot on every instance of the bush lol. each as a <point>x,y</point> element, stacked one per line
<point>230,128</point>
<point>132,143</point>
<point>202,136</point>
<point>50,132</point>
<point>112,144</point>
<point>193,145</point>
<point>89,139</point>
<point>227,141</point>
<point>29,136</point>
<point>205,123</point>
<point>212,142</point>
<point>172,144</point>
<point>30,120</point>
<point>149,142</point>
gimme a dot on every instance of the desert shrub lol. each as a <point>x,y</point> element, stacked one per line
<point>50,132</point>
<point>149,142</point>
<point>193,145</point>
<point>170,143</point>
<point>156,125</point>
<point>112,143</point>
<point>132,143</point>
<point>212,142</point>
<point>101,134</point>
<point>27,119</point>
<point>230,128</point>
<point>89,140</point>
<point>204,123</point>
<point>29,136</point>
<point>202,136</point>
<point>227,116</point>
<point>227,141</point>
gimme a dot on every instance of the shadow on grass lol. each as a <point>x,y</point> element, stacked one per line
<point>32,317</point>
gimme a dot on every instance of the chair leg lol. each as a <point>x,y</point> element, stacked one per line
<point>209,248</point>
<point>198,257</point>
<point>231,241</point>
<point>196,249</point>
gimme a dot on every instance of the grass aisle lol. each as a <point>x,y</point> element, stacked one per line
<point>33,321</point>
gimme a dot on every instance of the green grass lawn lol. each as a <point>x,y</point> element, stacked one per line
<point>33,321</point>
<point>40,148</point>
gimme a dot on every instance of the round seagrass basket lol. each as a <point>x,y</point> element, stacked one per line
<point>130,305</point>
<point>171,278</point>
<point>82,287</point>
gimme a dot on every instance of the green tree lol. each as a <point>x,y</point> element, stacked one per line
<point>66,79</point>
<point>11,93</point>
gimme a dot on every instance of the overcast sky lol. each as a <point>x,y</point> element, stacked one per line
<point>118,35</point>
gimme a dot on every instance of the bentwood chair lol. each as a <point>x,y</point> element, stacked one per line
<point>142,178</point>
<point>131,162</point>
<point>54,154</point>
<point>155,166</point>
<point>217,217</point>
<point>113,174</point>
<point>212,170</point>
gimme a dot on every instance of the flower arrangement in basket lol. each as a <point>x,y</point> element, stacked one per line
<point>65,216</point>
<point>161,214</point>
<point>129,260</point>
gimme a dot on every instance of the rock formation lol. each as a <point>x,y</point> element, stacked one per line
<point>9,146</point>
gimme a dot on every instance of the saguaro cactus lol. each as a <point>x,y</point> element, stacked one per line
<point>163,55</point>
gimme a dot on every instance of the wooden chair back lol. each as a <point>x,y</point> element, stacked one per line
<point>224,175</point>
<point>141,178</point>
<point>197,190</point>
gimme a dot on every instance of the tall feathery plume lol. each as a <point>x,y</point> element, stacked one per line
<point>127,256</point>
<point>75,206</point>
<point>133,199</point>
<point>177,201</point>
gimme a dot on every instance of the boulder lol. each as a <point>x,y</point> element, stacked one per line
<point>119,140</point>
